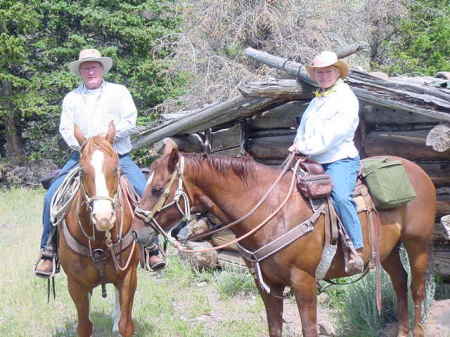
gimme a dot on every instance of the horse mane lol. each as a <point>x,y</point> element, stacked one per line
<point>242,167</point>
<point>97,142</point>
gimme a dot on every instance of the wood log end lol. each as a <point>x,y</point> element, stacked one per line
<point>439,138</point>
<point>444,228</point>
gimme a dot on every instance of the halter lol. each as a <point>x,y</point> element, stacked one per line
<point>149,216</point>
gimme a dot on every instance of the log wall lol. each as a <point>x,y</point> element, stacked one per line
<point>267,136</point>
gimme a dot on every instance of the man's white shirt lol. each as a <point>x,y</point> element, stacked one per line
<point>93,110</point>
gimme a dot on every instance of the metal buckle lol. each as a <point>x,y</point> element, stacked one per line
<point>98,255</point>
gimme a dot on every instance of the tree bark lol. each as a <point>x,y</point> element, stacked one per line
<point>14,145</point>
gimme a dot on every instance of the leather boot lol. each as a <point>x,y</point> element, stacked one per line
<point>46,265</point>
<point>155,261</point>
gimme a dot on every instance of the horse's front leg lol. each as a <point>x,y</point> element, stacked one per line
<point>304,286</point>
<point>126,289</point>
<point>80,296</point>
<point>274,308</point>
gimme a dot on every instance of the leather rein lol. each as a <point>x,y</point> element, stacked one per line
<point>149,216</point>
<point>115,248</point>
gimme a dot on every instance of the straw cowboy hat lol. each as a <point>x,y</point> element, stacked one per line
<point>90,55</point>
<point>326,59</point>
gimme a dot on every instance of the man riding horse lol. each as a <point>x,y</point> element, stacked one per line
<point>92,106</point>
<point>326,133</point>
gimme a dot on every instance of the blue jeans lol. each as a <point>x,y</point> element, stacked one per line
<point>127,166</point>
<point>343,174</point>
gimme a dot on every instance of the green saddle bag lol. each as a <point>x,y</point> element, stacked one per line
<point>388,183</point>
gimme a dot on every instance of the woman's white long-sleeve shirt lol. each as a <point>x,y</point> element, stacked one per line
<point>93,110</point>
<point>328,125</point>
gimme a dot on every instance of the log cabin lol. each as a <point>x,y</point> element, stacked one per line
<point>406,117</point>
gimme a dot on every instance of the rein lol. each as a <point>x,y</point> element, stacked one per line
<point>149,216</point>
<point>112,246</point>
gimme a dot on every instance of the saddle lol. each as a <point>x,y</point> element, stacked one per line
<point>316,186</point>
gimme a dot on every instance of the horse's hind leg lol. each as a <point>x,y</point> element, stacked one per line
<point>80,296</point>
<point>274,309</point>
<point>418,253</point>
<point>393,266</point>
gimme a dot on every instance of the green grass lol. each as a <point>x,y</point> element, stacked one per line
<point>179,302</point>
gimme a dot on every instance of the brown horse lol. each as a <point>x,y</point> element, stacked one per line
<point>230,187</point>
<point>95,244</point>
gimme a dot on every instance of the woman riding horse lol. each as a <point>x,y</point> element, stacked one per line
<point>232,188</point>
<point>325,135</point>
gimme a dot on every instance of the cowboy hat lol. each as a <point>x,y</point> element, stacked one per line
<point>87,55</point>
<point>327,59</point>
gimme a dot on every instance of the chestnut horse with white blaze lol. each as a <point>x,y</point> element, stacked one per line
<point>96,245</point>
<point>231,187</point>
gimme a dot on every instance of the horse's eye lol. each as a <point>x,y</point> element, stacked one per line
<point>156,190</point>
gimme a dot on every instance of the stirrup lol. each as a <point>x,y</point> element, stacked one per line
<point>148,253</point>
<point>47,254</point>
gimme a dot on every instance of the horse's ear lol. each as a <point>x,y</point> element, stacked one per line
<point>169,145</point>
<point>173,160</point>
<point>78,135</point>
<point>111,134</point>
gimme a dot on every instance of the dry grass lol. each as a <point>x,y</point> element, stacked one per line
<point>215,33</point>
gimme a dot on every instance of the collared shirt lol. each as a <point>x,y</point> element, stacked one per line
<point>93,110</point>
<point>328,125</point>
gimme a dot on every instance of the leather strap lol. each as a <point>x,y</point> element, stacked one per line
<point>284,240</point>
<point>374,238</point>
<point>118,246</point>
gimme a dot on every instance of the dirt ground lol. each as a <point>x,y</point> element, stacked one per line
<point>437,324</point>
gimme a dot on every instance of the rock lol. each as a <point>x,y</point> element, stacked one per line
<point>325,327</point>
<point>28,175</point>
<point>201,260</point>
<point>323,298</point>
<point>438,323</point>
<point>443,74</point>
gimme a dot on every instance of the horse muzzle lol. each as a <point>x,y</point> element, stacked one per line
<point>104,224</point>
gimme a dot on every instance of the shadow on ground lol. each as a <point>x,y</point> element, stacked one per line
<point>103,327</point>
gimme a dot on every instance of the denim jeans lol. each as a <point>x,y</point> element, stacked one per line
<point>343,174</point>
<point>127,166</point>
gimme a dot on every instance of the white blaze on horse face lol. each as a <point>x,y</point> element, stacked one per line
<point>102,210</point>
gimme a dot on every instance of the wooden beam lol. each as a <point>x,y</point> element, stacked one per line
<point>235,108</point>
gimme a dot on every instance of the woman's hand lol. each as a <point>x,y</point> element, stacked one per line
<point>293,149</point>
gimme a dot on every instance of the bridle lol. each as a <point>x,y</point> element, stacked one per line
<point>90,203</point>
<point>180,196</point>
<point>115,248</point>
<point>149,216</point>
